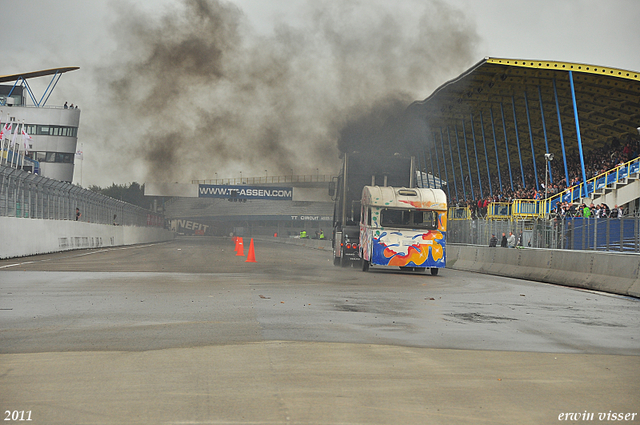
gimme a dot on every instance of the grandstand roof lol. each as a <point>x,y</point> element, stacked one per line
<point>608,103</point>
<point>34,74</point>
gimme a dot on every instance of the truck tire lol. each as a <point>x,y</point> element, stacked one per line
<point>434,272</point>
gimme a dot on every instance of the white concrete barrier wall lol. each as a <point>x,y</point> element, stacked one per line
<point>20,237</point>
<point>603,271</point>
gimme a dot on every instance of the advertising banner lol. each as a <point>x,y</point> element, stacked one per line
<point>245,192</point>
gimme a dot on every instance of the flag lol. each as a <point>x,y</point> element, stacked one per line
<point>12,143</point>
<point>6,130</point>
<point>13,139</point>
<point>26,138</point>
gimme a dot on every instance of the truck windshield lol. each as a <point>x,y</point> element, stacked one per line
<point>405,218</point>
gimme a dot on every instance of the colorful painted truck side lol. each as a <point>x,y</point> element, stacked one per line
<point>403,227</point>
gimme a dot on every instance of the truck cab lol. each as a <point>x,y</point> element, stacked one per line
<point>403,227</point>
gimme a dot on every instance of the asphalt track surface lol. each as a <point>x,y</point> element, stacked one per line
<point>186,332</point>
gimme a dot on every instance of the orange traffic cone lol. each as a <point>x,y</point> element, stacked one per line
<point>251,256</point>
<point>239,248</point>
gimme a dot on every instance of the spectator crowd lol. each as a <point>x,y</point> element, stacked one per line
<point>597,161</point>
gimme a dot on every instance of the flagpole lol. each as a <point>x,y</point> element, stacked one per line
<point>12,146</point>
<point>24,147</point>
<point>14,157</point>
<point>17,145</point>
<point>2,137</point>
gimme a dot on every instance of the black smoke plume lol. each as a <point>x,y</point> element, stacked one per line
<point>195,90</point>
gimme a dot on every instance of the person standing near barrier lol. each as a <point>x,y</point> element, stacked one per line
<point>520,239</point>
<point>493,242</point>
<point>511,240</point>
<point>503,242</point>
<point>78,214</point>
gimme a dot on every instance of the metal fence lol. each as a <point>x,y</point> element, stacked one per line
<point>599,234</point>
<point>308,178</point>
<point>27,195</point>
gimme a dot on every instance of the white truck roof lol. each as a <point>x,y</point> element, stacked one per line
<point>402,197</point>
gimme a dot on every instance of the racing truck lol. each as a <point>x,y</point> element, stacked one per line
<point>360,170</point>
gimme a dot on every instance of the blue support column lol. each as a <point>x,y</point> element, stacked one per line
<point>506,145</point>
<point>444,162</point>
<point>575,113</point>
<point>564,155</point>
<point>424,158</point>
<point>486,156</point>
<point>464,189</point>
<point>437,159</point>
<point>515,123</point>
<point>466,150</point>
<point>473,134</point>
<point>544,130</point>
<point>453,168</point>
<point>26,85</point>
<point>495,143</point>
<point>533,153</point>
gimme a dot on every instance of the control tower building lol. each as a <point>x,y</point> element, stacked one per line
<point>51,151</point>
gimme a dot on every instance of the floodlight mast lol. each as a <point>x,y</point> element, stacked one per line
<point>548,157</point>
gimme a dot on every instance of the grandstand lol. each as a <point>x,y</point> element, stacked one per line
<point>488,130</point>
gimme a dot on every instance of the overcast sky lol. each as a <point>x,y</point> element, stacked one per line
<point>275,96</point>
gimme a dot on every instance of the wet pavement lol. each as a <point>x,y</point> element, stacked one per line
<point>86,309</point>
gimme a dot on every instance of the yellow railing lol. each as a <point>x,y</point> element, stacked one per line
<point>598,182</point>
<point>527,208</point>
<point>499,211</point>
<point>459,213</point>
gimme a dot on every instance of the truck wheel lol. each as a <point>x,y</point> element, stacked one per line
<point>343,261</point>
<point>434,272</point>
<point>365,265</point>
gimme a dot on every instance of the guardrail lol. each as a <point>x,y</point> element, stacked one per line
<point>28,195</point>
